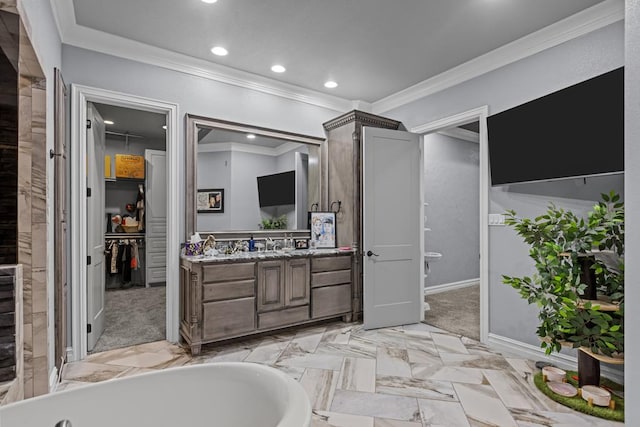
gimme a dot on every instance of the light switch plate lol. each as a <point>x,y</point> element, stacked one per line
<point>496,219</point>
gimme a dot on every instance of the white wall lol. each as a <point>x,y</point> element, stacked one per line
<point>38,19</point>
<point>506,87</point>
<point>451,173</point>
<point>632,205</point>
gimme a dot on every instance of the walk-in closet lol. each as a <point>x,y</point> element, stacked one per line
<point>126,218</point>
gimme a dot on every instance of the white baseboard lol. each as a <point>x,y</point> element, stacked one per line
<point>450,286</point>
<point>528,351</point>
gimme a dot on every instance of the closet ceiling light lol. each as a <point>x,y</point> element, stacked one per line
<point>251,136</point>
<point>278,69</point>
<point>331,84</point>
<point>219,50</point>
<point>108,122</point>
<point>209,1</point>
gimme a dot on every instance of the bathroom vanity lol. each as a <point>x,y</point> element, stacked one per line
<point>242,294</point>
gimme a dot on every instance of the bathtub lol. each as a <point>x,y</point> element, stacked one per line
<point>231,394</point>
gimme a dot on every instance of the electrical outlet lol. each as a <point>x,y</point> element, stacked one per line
<point>496,219</point>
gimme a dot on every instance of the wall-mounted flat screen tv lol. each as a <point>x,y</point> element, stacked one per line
<point>277,189</point>
<point>574,132</point>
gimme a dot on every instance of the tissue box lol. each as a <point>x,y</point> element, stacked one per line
<point>192,249</point>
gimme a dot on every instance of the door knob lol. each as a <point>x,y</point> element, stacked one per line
<point>369,253</point>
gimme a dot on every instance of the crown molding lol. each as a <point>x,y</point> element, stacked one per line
<point>215,147</point>
<point>588,20</point>
<point>463,134</point>
<point>581,23</point>
<point>87,38</point>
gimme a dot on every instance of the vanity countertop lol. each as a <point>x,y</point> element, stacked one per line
<point>257,256</point>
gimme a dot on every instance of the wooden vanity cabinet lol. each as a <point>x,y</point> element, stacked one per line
<point>229,299</point>
<point>217,301</point>
<point>331,279</point>
<point>283,292</point>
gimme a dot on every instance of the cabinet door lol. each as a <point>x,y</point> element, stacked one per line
<point>270,285</point>
<point>297,282</point>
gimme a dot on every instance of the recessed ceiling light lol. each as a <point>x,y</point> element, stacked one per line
<point>219,50</point>
<point>251,136</point>
<point>209,1</point>
<point>330,84</point>
<point>278,69</point>
<point>108,122</point>
<point>164,127</point>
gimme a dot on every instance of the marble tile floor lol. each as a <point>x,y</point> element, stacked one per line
<point>407,376</point>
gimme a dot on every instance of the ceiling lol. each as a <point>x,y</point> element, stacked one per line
<point>134,122</point>
<point>371,48</point>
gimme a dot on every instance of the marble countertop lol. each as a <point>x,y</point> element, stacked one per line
<point>251,256</point>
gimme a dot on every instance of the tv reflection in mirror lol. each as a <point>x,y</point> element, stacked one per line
<point>277,189</point>
<point>267,178</point>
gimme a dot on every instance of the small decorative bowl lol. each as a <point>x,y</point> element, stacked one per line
<point>551,373</point>
<point>596,395</point>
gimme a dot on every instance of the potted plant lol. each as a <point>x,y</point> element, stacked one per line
<point>577,261</point>
<point>278,223</point>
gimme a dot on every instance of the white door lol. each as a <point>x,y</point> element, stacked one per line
<point>392,226</point>
<point>155,214</point>
<point>96,226</point>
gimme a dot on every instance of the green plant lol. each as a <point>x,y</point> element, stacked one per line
<point>559,242</point>
<point>278,223</point>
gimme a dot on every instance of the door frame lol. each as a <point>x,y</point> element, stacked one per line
<point>479,114</point>
<point>80,96</point>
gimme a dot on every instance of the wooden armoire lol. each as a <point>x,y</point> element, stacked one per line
<point>344,184</point>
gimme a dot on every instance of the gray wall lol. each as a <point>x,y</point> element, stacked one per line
<point>214,171</point>
<point>451,173</point>
<point>506,87</point>
<point>118,194</point>
<point>632,223</point>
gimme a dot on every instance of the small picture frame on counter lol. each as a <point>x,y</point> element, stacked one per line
<point>301,243</point>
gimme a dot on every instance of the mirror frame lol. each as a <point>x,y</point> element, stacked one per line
<point>193,122</point>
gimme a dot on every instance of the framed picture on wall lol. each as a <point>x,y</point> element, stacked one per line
<point>323,229</point>
<point>210,200</point>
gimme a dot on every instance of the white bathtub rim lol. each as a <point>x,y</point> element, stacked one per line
<point>298,406</point>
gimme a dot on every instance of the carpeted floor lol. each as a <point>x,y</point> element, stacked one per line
<point>456,311</point>
<point>133,316</point>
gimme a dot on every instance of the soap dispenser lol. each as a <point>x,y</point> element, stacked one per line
<point>252,244</point>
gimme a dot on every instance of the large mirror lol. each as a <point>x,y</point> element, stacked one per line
<point>246,178</point>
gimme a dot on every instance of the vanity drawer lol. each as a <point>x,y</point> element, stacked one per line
<point>331,263</point>
<point>228,290</point>
<point>330,300</point>
<point>227,318</point>
<point>228,272</point>
<point>328,278</point>
<point>285,317</point>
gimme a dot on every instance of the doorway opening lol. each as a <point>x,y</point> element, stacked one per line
<point>89,212</point>
<point>455,237</point>
<point>452,230</point>
<point>126,216</point>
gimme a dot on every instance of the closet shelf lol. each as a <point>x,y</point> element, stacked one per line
<point>124,235</point>
<point>135,180</point>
